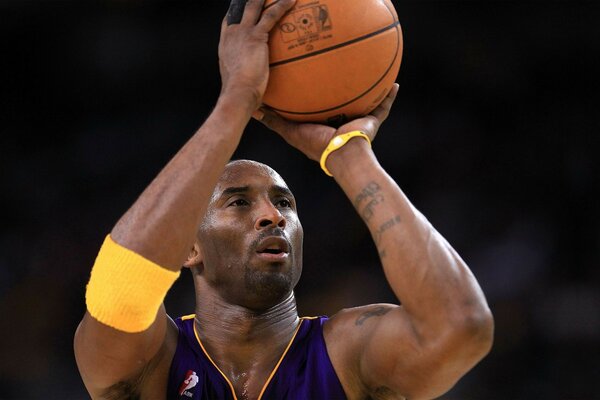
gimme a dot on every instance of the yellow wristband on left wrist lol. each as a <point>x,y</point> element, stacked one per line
<point>338,142</point>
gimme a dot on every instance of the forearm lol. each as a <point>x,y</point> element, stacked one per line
<point>115,343</point>
<point>434,285</point>
<point>162,223</point>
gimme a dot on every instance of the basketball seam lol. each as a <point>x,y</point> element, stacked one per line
<point>357,97</point>
<point>337,46</point>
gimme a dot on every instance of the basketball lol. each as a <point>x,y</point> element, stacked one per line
<point>332,60</point>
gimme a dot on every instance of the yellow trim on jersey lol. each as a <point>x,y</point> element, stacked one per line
<point>213,363</point>
<point>280,360</point>
<point>272,372</point>
<point>189,316</point>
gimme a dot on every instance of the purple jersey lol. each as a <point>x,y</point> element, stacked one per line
<point>303,372</point>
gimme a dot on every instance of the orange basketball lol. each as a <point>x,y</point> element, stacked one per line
<point>333,60</point>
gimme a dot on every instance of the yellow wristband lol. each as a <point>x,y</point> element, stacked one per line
<point>336,143</point>
<point>126,290</point>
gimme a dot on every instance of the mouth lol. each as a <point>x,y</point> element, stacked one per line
<point>273,249</point>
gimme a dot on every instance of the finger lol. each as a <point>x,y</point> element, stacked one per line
<point>235,12</point>
<point>288,130</point>
<point>382,111</point>
<point>273,121</point>
<point>273,14</point>
<point>252,11</point>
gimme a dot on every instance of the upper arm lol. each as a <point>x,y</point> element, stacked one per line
<point>382,351</point>
<point>109,359</point>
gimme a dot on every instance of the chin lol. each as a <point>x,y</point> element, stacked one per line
<point>268,288</point>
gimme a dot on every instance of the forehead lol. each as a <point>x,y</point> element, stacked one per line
<point>243,173</point>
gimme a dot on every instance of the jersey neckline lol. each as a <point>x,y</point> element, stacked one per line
<point>273,372</point>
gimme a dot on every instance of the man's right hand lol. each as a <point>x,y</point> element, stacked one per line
<point>244,51</point>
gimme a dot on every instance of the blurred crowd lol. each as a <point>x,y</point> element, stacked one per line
<point>492,138</point>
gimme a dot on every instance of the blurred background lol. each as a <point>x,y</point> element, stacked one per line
<point>493,137</point>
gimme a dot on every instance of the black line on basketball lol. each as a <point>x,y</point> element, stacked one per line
<point>337,46</point>
<point>360,95</point>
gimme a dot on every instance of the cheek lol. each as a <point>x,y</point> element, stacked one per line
<point>296,236</point>
<point>296,228</point>
<point>222,242</point>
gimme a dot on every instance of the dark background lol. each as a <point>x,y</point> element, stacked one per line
<point>492,138</point>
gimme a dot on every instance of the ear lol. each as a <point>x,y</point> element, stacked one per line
<point>195,256</point>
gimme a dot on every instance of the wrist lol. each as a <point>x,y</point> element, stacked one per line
<point>349,157</point>
<point>242,98</point>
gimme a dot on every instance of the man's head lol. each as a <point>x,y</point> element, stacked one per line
<point>250,241</point>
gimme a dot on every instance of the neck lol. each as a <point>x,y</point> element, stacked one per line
<point>245,344</point>
<point>218,321</point>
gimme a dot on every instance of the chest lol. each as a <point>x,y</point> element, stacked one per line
<point>251,384</point>
<point>303,371</point>
<point>223,380</point>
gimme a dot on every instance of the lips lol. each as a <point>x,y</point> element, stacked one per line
<point>273,245</point>
<point>273,249</point>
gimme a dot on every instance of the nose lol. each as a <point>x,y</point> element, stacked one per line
<point>269,217</point>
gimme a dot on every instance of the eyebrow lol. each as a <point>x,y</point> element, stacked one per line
<point>243,189</point>
<point>282,189</point>
<point>234,190</point>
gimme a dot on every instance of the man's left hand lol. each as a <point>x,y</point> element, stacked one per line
<point>311,139</point>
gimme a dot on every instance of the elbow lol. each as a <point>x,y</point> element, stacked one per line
<point>475,331</point>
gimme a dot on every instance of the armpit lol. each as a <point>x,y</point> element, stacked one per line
<point>130,389</point>
<point>123,391</point>
<point>385,393</point>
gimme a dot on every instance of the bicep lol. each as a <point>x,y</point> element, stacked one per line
<point>107,357</point>
<point>386,352</point>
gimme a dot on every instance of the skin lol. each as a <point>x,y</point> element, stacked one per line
<point>212,217</point>
<point>245,304</point>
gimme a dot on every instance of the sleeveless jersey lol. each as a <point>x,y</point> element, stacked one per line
<point>304,371</point>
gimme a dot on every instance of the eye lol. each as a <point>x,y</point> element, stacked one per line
<point>238,203</point>
<point>285,203</point>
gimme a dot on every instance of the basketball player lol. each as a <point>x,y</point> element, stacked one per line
<point>236,227</point>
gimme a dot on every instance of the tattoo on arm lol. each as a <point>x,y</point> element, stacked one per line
<point>369,209</point>
<point>372,194</point>
<point>384,227</point>
<point>368,191</point>
<point>377,312</point>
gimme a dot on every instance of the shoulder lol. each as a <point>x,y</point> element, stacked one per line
<point>349,320</point>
